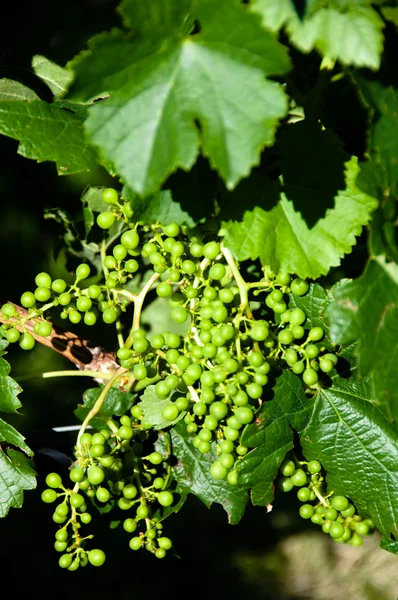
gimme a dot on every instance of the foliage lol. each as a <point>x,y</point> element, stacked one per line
<point>238,177</point>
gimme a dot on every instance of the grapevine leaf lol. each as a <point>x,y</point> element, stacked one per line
<point>9,390</point>
<point>353,37</point>
<point>152,408</point>
<point>389,545</point>
<point>158,207</point>
<point>271,436</point>
<point>162,445</point>
<point>11,436</point>
<point>116,403</point>
<point>16,475</point>
<point>57,78</point>
<point>358,448</point>
<point>192,472</point>
<point>171,95</point>
<point>281,238</point>
<point>366,309</point>
<point>383,143</point>
<point>45,131</point>
<point>274,13</point>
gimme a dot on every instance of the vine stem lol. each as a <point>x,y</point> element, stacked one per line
<point>138,303</point>
<point>95,374</point>
<point>98,405</point>
<point>240,282</point>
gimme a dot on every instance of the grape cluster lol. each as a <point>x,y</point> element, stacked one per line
<point>334,514</point>
<point>237,332</point>
<point>111,470</point>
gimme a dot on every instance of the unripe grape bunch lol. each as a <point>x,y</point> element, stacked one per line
<point>239,332</point>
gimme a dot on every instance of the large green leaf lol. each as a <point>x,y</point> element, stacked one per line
<point>192,472</point>
<point>358,448</point>
<point>45,131</point>
<point>366,309</point>
<point>271,436</point>
<point>350,32</point>
<point>9,435</point>
<point>16,475</point>
<point>9,389</point>
<point>172,94</point>
<point>158,207</point>
<point>282,239</point>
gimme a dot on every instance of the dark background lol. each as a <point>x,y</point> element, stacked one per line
<point>213,559</point>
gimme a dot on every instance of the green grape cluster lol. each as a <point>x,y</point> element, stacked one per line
<point>238,333</point>
<point>111,469</point>
<point>333,513</point>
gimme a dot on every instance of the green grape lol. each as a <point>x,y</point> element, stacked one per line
<point>164,543</point>
<point>53,480</point>
<point>348,512</point>
<point>325,365</point>
<point>8,310</point>
<point>130,239</point>
<point>42,294</point>
<point>97,450</point>
<point>336,530</point>
<point>61,535</point>
<point>95,475</point>
<point>317,519</point>
<point>65,561</point>
<point>304,494</point>
<point>297,316</point>
<point>315,334</point>
<point>211,422</point>
<point>298,367</point>
<point>172,356</point>
<point>179,314</point>
<point>200,409</point>
<point>287,468</point>
<point>43,280</point>
<point>164,289</point>
<point>64,299</point>
<point>105,220</point>
<point>83,303</point>
<point>155,458</point>
<point>241,450</point>
<point>299,478</point>
<point>285,337</point>
<point>109,315</point>
<point>219,410</point>
<point>330,514</point>
<point>299,287</point>
<point>28,300</point>
<point>157,341</point>
<point>298,332</point>
<point>203,447</point>
<point>76,474</point>
<point>171,230</point>
<point>290,356</point>
<point>110,196</point>
<point>110,262</point>
<point>306,511</point>
<point>218,471</point>
<point>232,477</point>
<point>49,496</point>
<point>125,432</point>
<point>254,390</point>
<point>314,466</point>
<point>127,211</point>
<point>227,460</point>
<point>131,266</point>
<point>76,500</point>
<point>75,317</point>
<point>310,377</point>
<point>140,372</point>
<point>85,439</point>
<point>13,335</point>
<point>136,543</point>
<point>62,509</point>
<point>340,503</point>
<point>211,250</point>
<point>285,484</point>
<point>58,286</point>
<point>231,434</point>
<point>130,491</point>
<point>244,414</point>
<point>165,498</point>
<point>217,271</point>
<point>119,252</point>
<point>259,331</point>
<point>311,351</point>
<point>82,271</point>
<point>205,435</point>
<point>96,557</point>
<point>129,525</point>
<point>362,528</point>
<point>170,412</point>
